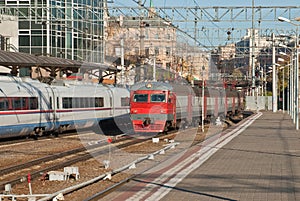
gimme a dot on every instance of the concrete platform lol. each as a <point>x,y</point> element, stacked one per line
<point>261,162</point>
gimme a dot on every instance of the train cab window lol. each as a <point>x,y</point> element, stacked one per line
<point>158,98</point>
<point>140,98</point>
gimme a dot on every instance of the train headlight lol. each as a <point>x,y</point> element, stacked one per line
<point>134,111</point>
<point>163,111</point>
<point>149,85</point>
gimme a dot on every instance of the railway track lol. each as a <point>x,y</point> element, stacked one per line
<point>81,155</point>
<point>17,141</point>
<point>68,158</point>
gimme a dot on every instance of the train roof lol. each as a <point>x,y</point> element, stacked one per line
<point>179,88</point>
<point>151,86</point>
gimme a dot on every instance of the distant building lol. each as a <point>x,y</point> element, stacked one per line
<point>144,40</point>
<point>244,49</point>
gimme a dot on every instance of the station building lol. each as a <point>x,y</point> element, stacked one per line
<point>69,29</point>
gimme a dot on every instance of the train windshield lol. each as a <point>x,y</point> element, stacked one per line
<point>141,98</point>
<point>158,98</point>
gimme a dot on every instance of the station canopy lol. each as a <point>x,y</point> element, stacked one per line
<point>20,60</point>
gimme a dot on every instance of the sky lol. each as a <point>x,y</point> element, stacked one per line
<point>201,3</point>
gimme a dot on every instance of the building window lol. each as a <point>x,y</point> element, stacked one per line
<point>168,51</point>
<point>156,51</point>
<point>147,51</point>
<point>168,36</point>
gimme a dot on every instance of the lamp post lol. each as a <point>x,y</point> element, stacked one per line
<point>290,89</point>
<point>289,84</point>
<point>283,96</point>
<point>202,105</point>
<point>283,19</point>
<point>274,90</point>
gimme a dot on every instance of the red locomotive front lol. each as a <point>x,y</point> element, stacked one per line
<point>152,106</point>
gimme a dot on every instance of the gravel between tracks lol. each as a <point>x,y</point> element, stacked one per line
<point>88,169</point>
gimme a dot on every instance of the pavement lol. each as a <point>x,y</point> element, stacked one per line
<point>259,160</point>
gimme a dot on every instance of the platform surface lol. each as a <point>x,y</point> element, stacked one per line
<point>262,163</point>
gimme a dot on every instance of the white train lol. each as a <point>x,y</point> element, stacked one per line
<point>29,107</point>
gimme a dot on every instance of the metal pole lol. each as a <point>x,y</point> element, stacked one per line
<point>291,85</point>
<point>283,95</point>
<point>253,51</point>
<point>202,105</point>
<point>274,89</point>
<point>122,61</point>
<point>288,93</point>
<point>297,83</point>
<point>48,29</point>
<point>293,90</point>
<point>154,68</point>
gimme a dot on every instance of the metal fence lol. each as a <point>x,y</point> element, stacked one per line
<point>259,102</point>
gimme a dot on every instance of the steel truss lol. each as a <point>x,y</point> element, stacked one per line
<point>209,26</point>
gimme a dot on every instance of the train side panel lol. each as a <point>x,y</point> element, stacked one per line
<point>30,107</point>
<point>25,107</point>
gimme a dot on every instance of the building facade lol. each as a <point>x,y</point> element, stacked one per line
<point>143,42</point>
<point>71,29</point>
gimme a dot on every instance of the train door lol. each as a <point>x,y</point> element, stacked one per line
<point>55,104</point>
<point>172,101</point>
<point>111,102</point>
<point>189,108</point>
<point>51,105</point>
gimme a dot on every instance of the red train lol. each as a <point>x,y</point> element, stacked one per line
<point>158,106</point>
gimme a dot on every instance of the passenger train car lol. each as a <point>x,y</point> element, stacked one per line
<point>29,107</point>
<point>158,106</point>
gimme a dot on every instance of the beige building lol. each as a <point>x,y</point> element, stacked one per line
<point>144,42</point>
<point>148,39</point>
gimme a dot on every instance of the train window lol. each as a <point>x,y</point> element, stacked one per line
<point>82,102</point>
<point>99,102</point>
<point>124,101</point>
<point>90,102</point>
<point>33,103</point>
<point>67,102</point>
<point>3,104</point>
<point>140,98</point>
<point>79,102</point>
<point>17,103</point>
<point>158,98</point>
<point>76,103</point>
